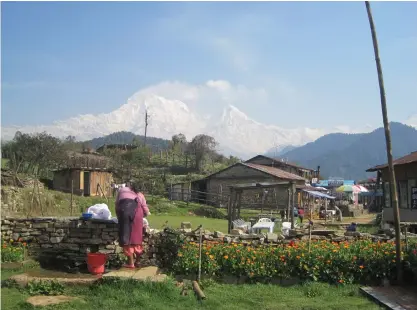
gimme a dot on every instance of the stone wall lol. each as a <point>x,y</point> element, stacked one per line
<point>65,242</point>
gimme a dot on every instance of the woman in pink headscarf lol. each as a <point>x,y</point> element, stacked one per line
<point>131,208</point>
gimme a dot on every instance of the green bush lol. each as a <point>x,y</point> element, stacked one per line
<point>49,288</point>
<point>13,251</point>
<point>209,212</point>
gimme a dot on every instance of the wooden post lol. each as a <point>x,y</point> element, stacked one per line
<point>229,211</point>
<point>394,193</point>
<point>199,259</point>
<point>293,204</point>
<point>72,193</point>
<point>239,201</point>
<point>405,236</point>
<point>289,205</point>
<point>309,236</point>
<point>325,210</point>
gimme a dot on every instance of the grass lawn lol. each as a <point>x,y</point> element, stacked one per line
<point>139,295</point>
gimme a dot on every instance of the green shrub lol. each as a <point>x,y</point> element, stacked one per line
<point>209,212</point>
<point>13,251</point>
<point>49,288</point>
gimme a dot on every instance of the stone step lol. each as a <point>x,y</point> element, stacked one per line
<point>146,273</point>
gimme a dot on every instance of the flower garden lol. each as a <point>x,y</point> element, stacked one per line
<point>13,251</point>
<point>361,261</point>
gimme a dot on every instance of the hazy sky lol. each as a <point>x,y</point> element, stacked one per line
<point>285,63</point>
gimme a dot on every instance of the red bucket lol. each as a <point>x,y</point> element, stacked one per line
<point>96,262</point>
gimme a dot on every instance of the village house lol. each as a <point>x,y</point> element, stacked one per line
<point>406,177</point>
<point>282,164</point>
<point>214,189</point>
<point>83,181</point>
<point>85,175</point>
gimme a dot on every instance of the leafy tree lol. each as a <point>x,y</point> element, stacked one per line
<point>202,146</point>
<point>36,154</point>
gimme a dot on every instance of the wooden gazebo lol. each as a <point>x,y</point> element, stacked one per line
<point>236,191</point>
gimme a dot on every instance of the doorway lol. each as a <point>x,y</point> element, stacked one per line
<point>87,183</point>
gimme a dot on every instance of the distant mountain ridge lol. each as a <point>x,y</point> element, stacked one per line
<point>349,155</point>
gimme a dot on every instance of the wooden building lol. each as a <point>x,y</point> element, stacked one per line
<point>84,181</point>
<point>218,184</point>
<point>284,165</point>
<point>406,177</point>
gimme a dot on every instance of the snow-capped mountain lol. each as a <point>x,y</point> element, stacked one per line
<point>235,131</point>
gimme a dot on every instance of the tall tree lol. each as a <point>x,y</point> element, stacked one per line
<point>394,195</point>
<point>201,146</point>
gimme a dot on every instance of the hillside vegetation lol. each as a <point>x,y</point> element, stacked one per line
<point>155,165</point>
<point>349,155</point>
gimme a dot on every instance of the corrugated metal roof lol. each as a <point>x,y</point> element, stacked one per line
<point>407,159</point>
<point>275,172</point>
<point>281,161</point>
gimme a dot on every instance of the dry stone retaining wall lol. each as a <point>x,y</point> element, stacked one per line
<point>65,242</point>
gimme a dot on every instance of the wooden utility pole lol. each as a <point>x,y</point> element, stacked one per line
<point>146,125</point>
<point>394,195</point>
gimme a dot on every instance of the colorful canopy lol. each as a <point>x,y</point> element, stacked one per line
<point>348,189</point>
<point>318,194</point>
<point>351,189</point>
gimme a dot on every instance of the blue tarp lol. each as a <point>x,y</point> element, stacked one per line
<point>325,183</point>
<point>318,194</point>
<point>371,194</point>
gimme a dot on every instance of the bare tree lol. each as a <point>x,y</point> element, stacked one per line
<point>393,187</point>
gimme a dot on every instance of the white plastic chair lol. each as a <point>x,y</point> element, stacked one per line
<point>264,220</point>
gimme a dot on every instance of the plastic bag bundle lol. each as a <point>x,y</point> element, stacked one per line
<point>100,211</point>
<point>286,226</point>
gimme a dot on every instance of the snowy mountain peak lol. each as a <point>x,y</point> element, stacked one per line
<point>233,129</point>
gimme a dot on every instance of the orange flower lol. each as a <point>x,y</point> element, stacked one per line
<point>226,257</point>
<point>24,243</point>
<point>298,257</point>
<point>361,267</point>
<point>341,281</point>
<point>179,254</point>
<point>211,256</point>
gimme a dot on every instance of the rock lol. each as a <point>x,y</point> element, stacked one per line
<point>40,225</point>
<point>227,239</point>
<point>271,237</point>
<point>313,237</point>
<point>353,233</point>
<point>207,237</point>
<point>43,301</point>
<point>15,236</point>
<point>218,234</point>
<point>250,237</point>
<point>56,239</point>
<point>322,232</point>
<point>186,225</point>
<point>237,232</point>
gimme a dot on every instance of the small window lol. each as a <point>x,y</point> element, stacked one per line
<point>412,186</point>
<point>403,195</point>
<point>387,195</point>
